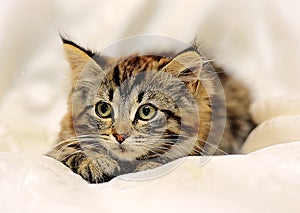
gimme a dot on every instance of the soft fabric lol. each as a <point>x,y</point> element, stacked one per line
<point>256,41</point>
<point>264,181</point>
<point>278,120</point>
<point>268,108</point>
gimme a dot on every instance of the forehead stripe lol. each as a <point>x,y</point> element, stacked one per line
<point>116,76</point>
<point>140,97</point>
<point>111,94</point>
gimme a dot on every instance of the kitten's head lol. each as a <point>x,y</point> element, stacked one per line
<point>135,107</point>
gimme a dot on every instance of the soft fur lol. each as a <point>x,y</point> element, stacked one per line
<point>182,89</point>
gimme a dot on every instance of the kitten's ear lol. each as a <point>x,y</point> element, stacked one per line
<point>186,66</point>
<point>77,56</point>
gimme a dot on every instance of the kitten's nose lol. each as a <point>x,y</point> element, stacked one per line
<point>120,138</point>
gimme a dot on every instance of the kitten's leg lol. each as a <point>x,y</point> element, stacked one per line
<point>95,168</point>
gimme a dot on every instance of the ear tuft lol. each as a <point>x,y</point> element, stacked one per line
<point>70,42</point>
<point>186,65</point>
<point>77,56</point>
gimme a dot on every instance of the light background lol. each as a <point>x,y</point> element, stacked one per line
<point>257,41</point>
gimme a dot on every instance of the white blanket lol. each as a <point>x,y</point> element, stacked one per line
<point>264,181</point>
<point>256,41</point>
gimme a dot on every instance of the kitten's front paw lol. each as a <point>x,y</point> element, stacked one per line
<point>147,165</point>
<point>97,170</point>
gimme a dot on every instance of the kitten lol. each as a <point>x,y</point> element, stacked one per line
<point>140,111</point>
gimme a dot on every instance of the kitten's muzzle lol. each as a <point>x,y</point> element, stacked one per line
<point>120,131</point>
<point>120,137</point>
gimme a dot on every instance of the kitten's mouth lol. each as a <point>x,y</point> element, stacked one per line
<point>123,152</point>
<point>122,148</point>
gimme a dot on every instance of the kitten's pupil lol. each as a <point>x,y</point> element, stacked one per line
<point>146,110</point>
<point>104,108</point>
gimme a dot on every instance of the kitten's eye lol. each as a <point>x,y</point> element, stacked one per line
<point>146,112</point>
<point>103,109</point>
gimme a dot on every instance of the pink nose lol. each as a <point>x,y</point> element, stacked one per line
<point>120,138</point>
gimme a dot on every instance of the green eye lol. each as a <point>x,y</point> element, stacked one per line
<point>103,110</point>
<point>146,112</point>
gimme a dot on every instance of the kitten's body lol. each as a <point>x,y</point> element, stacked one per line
<point>179,89</point>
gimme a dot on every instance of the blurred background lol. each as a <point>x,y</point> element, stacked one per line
<point>257,41</point>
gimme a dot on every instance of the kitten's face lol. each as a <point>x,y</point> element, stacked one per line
<point>136,112</point>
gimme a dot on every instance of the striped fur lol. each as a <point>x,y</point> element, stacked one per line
<point>180,89</point>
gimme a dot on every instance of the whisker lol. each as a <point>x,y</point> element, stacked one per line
<point>206,142</point>
<point>164,144</point>
<point>80,140</point>
<point>69,155</point>
<point>63,148</point>
<point>197,149</point>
